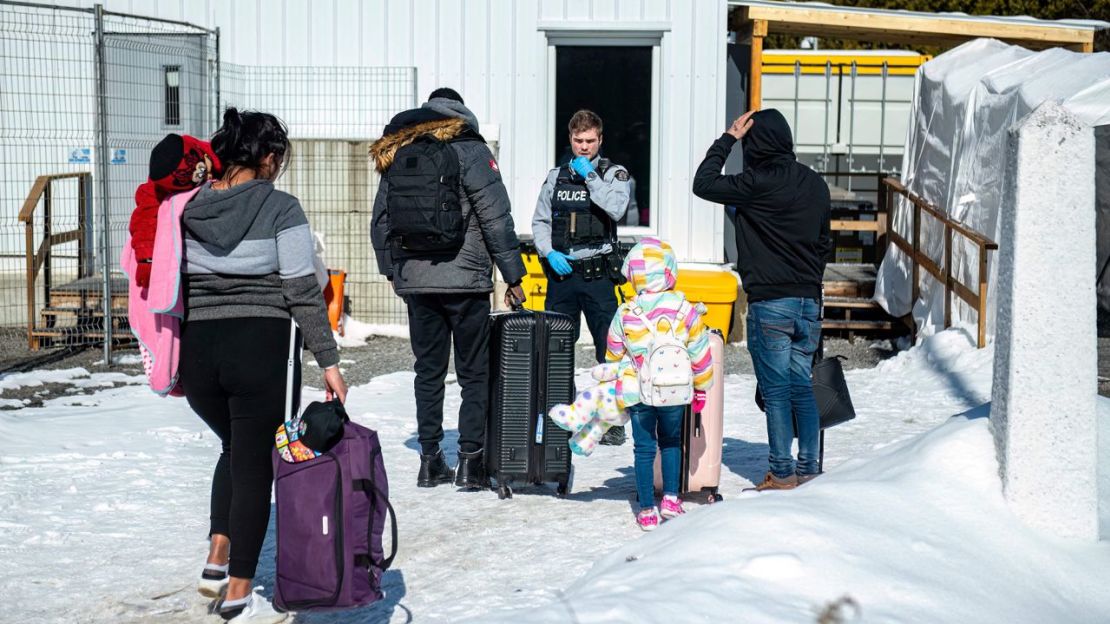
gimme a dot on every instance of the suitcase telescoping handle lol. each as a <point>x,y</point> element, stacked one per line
<point>294,359</point>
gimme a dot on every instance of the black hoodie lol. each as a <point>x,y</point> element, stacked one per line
<point>782,210</point>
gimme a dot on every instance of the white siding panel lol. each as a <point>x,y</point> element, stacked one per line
<point>577,10</point>
<point>475,56</point>
<point>451,42</point>
<point>659,10</point>
<point>604,10</point>
<point>553,10</point>
<point>494,54</point>
<point>630,10</point>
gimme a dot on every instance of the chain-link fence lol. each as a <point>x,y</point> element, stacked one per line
<point>85,94</point>
<point>333,114</point>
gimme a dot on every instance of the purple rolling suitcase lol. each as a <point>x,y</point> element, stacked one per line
<point>331,515</point>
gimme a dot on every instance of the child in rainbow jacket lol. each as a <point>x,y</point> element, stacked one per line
<point>655,330</point>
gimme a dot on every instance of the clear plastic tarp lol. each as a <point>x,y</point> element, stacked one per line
<point>966,101</point>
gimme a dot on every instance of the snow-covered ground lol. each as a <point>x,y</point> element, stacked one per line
<point>107,504</point>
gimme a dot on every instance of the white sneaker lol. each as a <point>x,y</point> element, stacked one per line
<point>213,580</point>
<point>252,609</point>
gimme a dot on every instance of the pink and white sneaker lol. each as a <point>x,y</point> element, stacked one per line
<point>671,507</point>
<point>648,519</point>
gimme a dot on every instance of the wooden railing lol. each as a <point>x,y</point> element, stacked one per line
<point>975,298</point>
<point>39,260</point>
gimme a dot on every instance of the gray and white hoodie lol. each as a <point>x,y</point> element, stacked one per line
<point>249,253</point>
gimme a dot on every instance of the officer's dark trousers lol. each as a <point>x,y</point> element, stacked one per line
<point>435,321</point>
<point>595,299</point>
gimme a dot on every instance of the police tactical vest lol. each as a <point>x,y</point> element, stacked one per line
<point>575,220</point>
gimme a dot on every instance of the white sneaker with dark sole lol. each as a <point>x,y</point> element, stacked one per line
<point>213,580</point>
<point>251,609</point>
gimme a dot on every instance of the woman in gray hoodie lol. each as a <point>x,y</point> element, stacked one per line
<point>247,268</point>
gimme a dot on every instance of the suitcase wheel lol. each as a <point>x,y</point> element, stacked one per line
<point>504,491</point>
<point>564,487</point>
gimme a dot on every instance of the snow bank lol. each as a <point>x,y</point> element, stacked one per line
<point>107,509</point>
<point>78,377</point>
<point>125,359</point>
<point>356,332</point>
<point>14,381</point>
<point>916,532</point>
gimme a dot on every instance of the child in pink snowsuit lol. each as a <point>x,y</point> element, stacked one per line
<point>657,314</point>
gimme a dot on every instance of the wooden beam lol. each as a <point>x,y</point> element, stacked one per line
<point>755,82</point>
<point>33,198</point>
<point>832,22</point>
<point>848,225</point>
<point>64,237</point>
<point>750,30</point>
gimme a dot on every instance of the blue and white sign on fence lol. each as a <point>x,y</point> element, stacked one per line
<point>80,156</point>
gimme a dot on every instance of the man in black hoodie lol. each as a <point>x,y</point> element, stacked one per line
<point>782,236</point>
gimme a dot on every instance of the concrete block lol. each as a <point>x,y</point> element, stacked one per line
<point>1045,375</point>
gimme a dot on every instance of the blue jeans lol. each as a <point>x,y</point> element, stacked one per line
<point>782,338</point>
<point>656,429</point>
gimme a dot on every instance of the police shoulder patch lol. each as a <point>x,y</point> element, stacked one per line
<point>622,175</point>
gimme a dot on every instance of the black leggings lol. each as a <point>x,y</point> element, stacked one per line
<point>233,372</point>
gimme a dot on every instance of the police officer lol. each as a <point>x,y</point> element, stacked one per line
<point>575,231</point>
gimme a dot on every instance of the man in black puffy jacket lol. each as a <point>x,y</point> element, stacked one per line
<point>448,291</point>
<point>782,235</point>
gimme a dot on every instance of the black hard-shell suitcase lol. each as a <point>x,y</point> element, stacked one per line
<point>531,370</point>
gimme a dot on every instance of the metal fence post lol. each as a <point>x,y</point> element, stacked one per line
<point>102,165</point>
<point>218,119</point>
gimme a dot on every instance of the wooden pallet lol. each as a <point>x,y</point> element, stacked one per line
<point>75,314</point>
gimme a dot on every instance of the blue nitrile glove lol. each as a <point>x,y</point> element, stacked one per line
<point>560,262</point>
<point>582,166</point>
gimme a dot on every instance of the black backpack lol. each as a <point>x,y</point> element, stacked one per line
<point>425,213</point>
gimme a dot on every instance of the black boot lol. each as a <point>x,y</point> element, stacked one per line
<point>434,470</point>
<point>471,471</point>
<point>614,436</point>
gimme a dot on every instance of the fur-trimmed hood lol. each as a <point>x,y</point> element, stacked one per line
<point>384,149</point>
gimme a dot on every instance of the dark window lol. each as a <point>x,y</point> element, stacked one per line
<point>173,95</point>
<point>615,83</point>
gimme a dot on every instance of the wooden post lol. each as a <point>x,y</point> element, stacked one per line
<point>916,241</point>
<point>883,219</point>
<point>29,229</point>
<point>755,82</point>
<point>81,198</point>
<point>982,295</point>
<point>947,276</point>
<point>47,231</point>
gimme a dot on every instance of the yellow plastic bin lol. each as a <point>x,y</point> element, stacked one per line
<point>534,282</point>
<point>710,284</point>
<point>714,286</point>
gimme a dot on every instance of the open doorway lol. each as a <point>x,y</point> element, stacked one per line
<point>616,83</point>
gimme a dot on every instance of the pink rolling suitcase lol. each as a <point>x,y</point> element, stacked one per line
<point>702,437</point>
